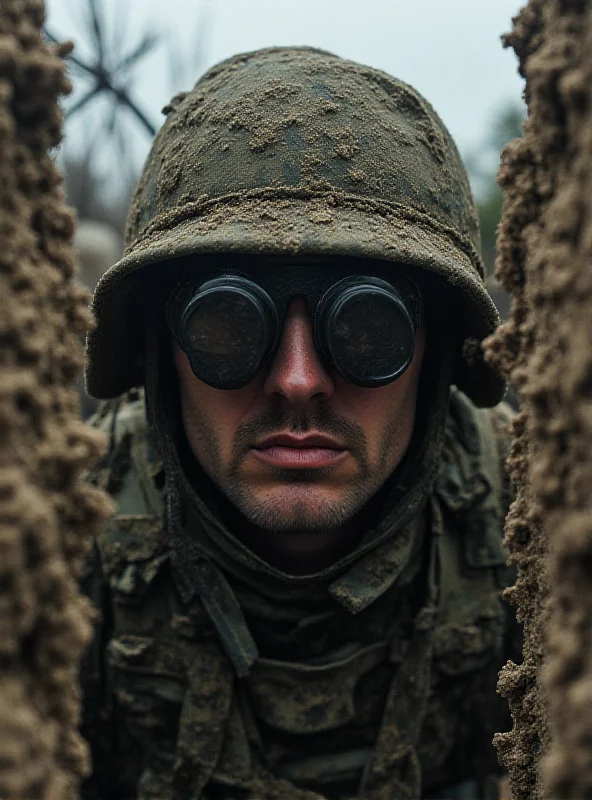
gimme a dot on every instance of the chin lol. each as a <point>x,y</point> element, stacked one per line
<point>304,511</point>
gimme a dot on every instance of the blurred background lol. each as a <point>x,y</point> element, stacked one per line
<point>132,56</point>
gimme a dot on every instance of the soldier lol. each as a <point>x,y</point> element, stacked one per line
<point>299,593</point>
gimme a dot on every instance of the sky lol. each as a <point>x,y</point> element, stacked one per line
<point>449,50</point>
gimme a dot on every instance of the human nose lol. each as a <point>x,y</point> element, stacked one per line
<point>296,372</point>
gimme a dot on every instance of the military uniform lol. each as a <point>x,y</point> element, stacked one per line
<point>214,674</point>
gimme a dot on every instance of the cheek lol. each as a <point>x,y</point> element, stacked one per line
<point>377,410</point>
<point>210,416</point>
<point>385,413</point>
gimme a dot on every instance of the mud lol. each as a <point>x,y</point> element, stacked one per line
<point>46,515</point>
<point>545,251</point>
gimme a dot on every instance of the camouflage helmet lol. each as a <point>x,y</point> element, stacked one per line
<point>295,151</point>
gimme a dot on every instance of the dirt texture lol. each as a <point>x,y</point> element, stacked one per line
<point>545,252</point>
<point>46,514</point>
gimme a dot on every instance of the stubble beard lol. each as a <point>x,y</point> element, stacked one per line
<point>301,515</point>
<point>317,514</point>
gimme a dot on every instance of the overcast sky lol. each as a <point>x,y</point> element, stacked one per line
<point>449,50</point>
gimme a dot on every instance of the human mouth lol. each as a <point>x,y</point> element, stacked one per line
<point>313,450</point>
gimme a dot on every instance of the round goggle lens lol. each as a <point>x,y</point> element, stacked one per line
<point>226,332</point>
<point>370,337</point>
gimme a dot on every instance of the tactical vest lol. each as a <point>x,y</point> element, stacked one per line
<point>194,724</point>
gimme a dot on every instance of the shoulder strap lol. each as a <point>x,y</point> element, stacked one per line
<point>468,509</point>
<point>472,483</point>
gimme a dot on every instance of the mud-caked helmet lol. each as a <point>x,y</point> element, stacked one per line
<point>295,151</point>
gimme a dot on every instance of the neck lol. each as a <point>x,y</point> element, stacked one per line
<point>300,553</point>
<point>304,552</point>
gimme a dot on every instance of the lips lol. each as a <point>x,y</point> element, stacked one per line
<point>288,440</point>
<point>312,450</point>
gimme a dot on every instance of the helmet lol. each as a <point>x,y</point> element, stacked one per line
<point>295,151</point>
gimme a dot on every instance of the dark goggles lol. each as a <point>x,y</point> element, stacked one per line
<point>229,327</point>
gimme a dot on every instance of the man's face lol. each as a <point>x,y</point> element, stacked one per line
<point>299,449</point>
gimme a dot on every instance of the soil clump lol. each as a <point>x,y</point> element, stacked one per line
<point>545,252</point>
<point>46,514</point>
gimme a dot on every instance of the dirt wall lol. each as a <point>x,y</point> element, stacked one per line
<point>545,259</point>
<point>46,516</point>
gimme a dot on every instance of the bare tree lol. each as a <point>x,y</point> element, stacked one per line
<point>111,66</point>
<point>107,74</point>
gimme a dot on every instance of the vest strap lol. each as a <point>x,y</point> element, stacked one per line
<point>204,713</point>
<point>394,770</point>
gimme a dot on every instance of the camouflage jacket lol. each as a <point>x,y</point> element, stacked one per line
<point>378,683</point>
